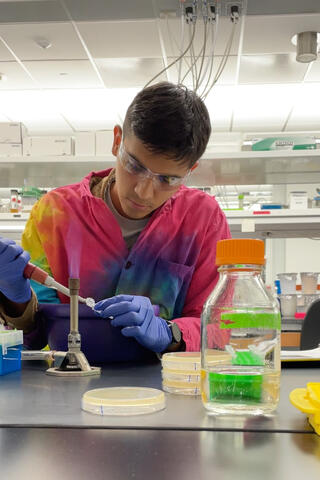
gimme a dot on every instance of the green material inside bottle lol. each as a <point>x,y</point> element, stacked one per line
<point>235,388</point>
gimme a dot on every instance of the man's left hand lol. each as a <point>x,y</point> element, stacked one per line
<point>136,315</point>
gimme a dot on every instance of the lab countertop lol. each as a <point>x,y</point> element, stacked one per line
<point>45,434</point>
<point>32,398</point>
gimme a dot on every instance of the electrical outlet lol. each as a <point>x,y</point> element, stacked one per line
<point>227,4</point>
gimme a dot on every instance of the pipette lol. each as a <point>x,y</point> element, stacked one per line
<point>42,277</point>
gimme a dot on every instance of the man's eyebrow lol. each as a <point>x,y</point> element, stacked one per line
<point>161,174</point>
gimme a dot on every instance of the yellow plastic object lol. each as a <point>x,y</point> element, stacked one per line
<point>307,400</point>
<point>123,401</point>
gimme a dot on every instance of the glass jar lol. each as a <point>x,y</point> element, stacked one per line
<point>242,318</point>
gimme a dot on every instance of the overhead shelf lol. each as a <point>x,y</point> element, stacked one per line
<point>243,224</point>
<point>284,223</point>
<point>231,168</point>
<point>109,158</point>
<point>256,168</point>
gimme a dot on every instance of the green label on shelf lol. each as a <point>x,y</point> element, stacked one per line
<point>250,320</point>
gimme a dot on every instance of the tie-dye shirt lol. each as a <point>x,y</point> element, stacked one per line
<point>71,232</point>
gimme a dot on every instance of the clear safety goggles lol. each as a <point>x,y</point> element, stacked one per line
<point>162,182</point>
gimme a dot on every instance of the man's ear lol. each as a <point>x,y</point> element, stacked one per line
<point>194,166</point>
<point>117,136</point>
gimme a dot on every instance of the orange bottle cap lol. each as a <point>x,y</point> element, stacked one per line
<point>240,250</point>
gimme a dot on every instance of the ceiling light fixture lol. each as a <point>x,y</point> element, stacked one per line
<point>307,46</point>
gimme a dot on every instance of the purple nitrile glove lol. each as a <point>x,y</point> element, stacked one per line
<point>136,315</point>
<point>13,260</point>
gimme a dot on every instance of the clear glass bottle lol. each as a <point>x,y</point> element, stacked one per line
<point>242,319</point>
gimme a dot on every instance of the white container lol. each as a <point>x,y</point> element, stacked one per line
<point>104,139</point>
<point>84,143</point>
<point>12,132</point>
<point>10,150</point>
<point>298,200</point>
<point>300,303</point>
<point>287,282</point>
<point>288,305</point>
<point>309,281</point>
<point>55,145</point>
<point>308,299</point>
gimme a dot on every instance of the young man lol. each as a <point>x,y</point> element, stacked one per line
<point>141,242</point>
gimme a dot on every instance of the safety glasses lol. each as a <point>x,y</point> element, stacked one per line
<point>161,182</point>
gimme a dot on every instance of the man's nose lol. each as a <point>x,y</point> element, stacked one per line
<point>144,188</point>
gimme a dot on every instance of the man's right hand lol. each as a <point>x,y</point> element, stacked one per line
<point>13,260</point>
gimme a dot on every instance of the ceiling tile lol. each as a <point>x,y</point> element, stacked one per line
<point>121,39</point>
<point>227,77</point>
<point>92,109</point>
<point>262,107</point>
<point>38,125</point>
<point>4,52</point>
<point>64,74</point>
<point>220,105</point>
<point>31,11</point>
<point>129,72</point>
<point>306,112</point>
<point>112,10</point>
<point>281,68</point>
<point>23,38</point>
<point>15,77</point>
<point>4,118</point>
<point>34,109</point>
<point>273,33</point>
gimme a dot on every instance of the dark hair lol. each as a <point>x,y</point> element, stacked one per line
<point>170,119</point>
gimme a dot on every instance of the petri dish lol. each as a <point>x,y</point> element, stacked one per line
<point>181,388</point>
<point>191,361</point>
<point>176,376</point>
<point>185,361</point>
<point>123,401</point>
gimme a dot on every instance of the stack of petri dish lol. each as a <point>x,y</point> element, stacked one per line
<point>181,373</point>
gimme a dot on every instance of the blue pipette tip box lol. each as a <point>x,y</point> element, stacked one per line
<point>10,350</point>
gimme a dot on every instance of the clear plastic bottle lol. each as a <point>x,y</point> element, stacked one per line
<point>241,318</point>
<point>14,202</point>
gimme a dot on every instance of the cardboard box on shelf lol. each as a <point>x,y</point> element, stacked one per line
<point>53,145</point>
<point>104,139</point>
<point>280,142</point>
<point>298,200</point>
<point>10,150</point>
<point>11,132</point>
<point>84,143</point>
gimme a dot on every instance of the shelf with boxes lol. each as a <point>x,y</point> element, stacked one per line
<point>216,167</point>
<point>295,299</point>
<point>19,146</point>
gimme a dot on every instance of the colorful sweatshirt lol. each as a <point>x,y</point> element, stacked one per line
<point>71,232</point>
